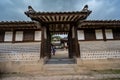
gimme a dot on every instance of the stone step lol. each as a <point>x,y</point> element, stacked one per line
<point>59,65</point>
<point>60,61</point>
<point>59,73</point>
<point>59,69</point>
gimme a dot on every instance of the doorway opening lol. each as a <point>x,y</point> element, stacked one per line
<point>60,50</point>
<point>59,46</point>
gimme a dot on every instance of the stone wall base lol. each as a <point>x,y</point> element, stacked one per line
<point>99,49</point>
<point>82,66</point>
<point>98,64</point>
<point>21,66</point>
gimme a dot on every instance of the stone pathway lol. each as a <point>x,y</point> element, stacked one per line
<point>61,57</point>
<point>61,61</point>
<point>65,77</point>
<point>60,53</point>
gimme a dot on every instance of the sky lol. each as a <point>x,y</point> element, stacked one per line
<point>13,10</point>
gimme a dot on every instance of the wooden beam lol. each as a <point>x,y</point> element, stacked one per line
<point>104,36</point>
<point>58,13</point>
<point>60,22</point>
<point>46,17</point>
<point>72,17</point>
<point>42,19</point>
<point>55,18</point>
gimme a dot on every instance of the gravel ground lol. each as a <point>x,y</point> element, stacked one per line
<point>64,77</point>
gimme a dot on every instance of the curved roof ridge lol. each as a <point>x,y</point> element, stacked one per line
<point>15,21</point>
<point>11,25</point>
<point>31,10</point>
<point>58,11</point>
<point>103,20</point>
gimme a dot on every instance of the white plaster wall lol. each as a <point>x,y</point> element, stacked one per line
<point>8,36</point>
<point>99,34</point>
<point>37,35</point>
<point>109,33</point>
<point>19,36</point>
<point>80,34</point>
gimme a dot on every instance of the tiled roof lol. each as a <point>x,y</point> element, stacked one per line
<point>99,23</point>
<point>18,25</point>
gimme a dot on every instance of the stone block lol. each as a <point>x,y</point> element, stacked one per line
<point>100,49</point>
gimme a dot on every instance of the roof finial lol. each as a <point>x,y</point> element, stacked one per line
<point>30,9</point>
<point>85,9</point>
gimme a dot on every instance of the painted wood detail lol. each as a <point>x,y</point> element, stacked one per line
<point>19,36</point>
<point>90,34</point>
<point>2,33</point>
<point>80,34</point>
<point>109,33</point>
<point>99,34</point>
<point>38,35</point>
<point>8,36</point>
<point>28,35</point>
<point>50,17</point>
<point>116,33</point>
<point>83,34</point>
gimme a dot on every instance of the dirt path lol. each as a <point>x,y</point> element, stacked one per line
<point>65,77</point>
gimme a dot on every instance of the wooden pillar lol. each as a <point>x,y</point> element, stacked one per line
<point>104,36</point>
<point>13,37</point>
<point>70,47</point>
<point>73,41</point>
<point>76,51</point>
<point>43,42</point>
<point>48,43</point>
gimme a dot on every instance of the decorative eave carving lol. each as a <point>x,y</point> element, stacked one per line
<point>48,17</point>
